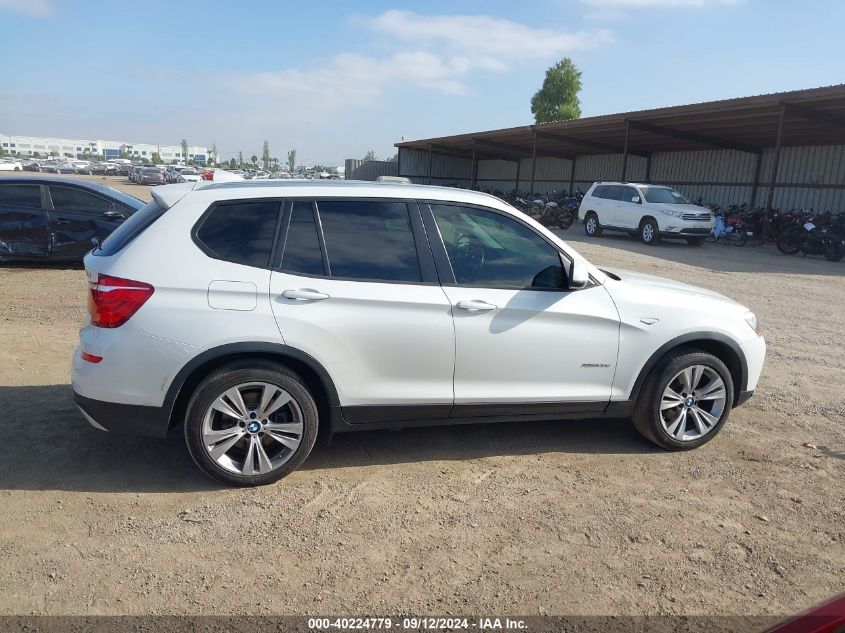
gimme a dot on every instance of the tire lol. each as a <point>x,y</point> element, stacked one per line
<point>566,222</point>
<point>741,238</point>
<point>591,225</point>
<point>250,456</point>
<point>695,241</point>
<point>836,251</point>
<point>663,426</point>
<point>789,243</point>
<point>649,231</point>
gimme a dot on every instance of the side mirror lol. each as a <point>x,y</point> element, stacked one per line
<point>635,199</point>
<point>578,275</point>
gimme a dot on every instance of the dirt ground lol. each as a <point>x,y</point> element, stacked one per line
<point>552,517</point>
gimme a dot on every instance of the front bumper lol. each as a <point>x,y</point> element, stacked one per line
<point>686,232</point>
<point>124,419</point>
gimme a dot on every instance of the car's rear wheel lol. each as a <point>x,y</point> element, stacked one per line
<point>686,401</point>
<point>591,225</point>
<point>649,231</point>
<point>250,423</point>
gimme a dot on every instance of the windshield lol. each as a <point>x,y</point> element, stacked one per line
<point>663,195</point>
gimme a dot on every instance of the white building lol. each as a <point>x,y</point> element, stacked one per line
<point>81,148</point>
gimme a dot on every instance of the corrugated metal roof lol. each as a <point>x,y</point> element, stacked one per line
<point>814,116</point>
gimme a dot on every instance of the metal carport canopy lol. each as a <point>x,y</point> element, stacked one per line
<point>810,117</point>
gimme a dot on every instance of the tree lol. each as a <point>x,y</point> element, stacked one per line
<point>292,160</point>
<point>240,160</point>
<point>2,151</point>
<point>156,158</point>
<point>184,150</point>
<point>233,164</point>
<point>265,155</point>
<point>214,151</point>
<point>558,100</point>
<point>254,160</point>
<point>371,155</point>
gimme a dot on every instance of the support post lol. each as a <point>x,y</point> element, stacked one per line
<point>625,151</point>
<point>572,175</point>
<point>758,160</point>
<point>533,164</point>
<point>430,154</point>
<point>474,181</point>
<point>775,161</point>
<point>648,168</point>
<point>518,167</point>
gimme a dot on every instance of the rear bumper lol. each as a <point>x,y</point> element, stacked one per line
<point>124,419</point>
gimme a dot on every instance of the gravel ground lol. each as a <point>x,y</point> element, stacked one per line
<point>554,517</point>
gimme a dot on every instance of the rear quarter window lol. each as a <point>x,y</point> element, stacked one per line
<point>138,222</point>
<point>240,232</point>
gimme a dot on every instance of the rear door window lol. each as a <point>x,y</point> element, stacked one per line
<point>369,240</point>
<point>78,200</point>
<point>240,232</point>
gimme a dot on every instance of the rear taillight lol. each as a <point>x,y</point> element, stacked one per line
<point>209,175</point>
<point>112,300</point>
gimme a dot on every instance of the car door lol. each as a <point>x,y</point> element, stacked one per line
<point>355,287</point>
<point>628,208</point>
<point>23,221</point>
<point>524,342</point>
<point>76,216</point>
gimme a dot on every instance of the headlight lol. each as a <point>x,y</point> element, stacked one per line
<point>752,321</point>
<point>673,213</point>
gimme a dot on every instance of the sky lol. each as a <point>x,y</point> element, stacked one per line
<point>336,79</point>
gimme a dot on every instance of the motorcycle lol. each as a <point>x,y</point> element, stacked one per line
<point>810,239</point>
<point>730,229</point>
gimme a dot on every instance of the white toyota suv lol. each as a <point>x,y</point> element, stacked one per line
<point>257,315</point>
<point>650,211</point>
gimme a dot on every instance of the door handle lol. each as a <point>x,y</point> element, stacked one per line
<point>475,305</point>
<point>305,294</point>
<point>64,221</point>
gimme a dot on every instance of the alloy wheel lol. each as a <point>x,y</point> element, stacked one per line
<point>648,232</point>
<point>252,428</point>
<point>591,225</point>
<point>692,403</point>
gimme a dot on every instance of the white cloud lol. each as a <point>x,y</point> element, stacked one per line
<point>34,8</point>
<point>435,53</point>
<point>492,42</point>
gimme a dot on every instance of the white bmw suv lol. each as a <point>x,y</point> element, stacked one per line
<point>649,211</point>
<point>259,315</point>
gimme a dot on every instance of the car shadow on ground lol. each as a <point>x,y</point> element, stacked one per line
<point>48,445</point>
<point>719,257</point>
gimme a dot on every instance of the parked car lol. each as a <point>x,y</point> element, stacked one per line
<point>51,166</point>
<point>151,176</point>
<point>95,169</point>
<point>650,211</point>
<point>266,313</point>
<point>65,168</point>
<point>123,169</point>
<point>31,165</point>
<point>56,218</point>
<point>188,175</point>
<point>10,164</point>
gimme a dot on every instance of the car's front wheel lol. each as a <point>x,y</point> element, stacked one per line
<point>649,231</point>
<point>695,241</point>
<point>250,423</point>
<point>686,401</point>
